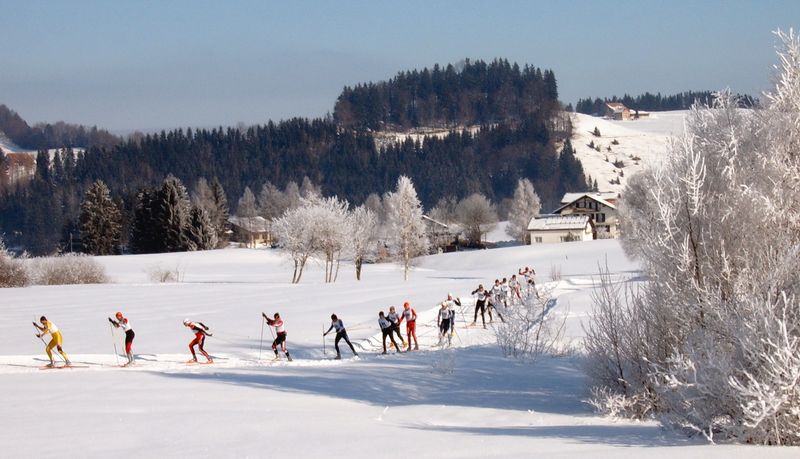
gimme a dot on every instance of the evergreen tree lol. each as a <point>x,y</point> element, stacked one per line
<point>145,236</point>
<point>173,216</point>
<point>218,213</point>
<point>99,221</point>
<point>202,233</point>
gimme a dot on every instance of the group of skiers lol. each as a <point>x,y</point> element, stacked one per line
<point>503,293</point>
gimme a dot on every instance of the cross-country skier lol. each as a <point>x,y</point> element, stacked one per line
<point>516,288</point>
<point>55,340</point>
<point>394,318</point>
<point>387,329</point>
<point>341,333</point>
<point>451,305</point>
<point>530,281</point>
<point>123,323</point>
<point>280,335</point>
<point>410,316</point>
<point>495,298</point>
<point>480,304</point>
<point>505,292</point>
<point>443,322</point>
<point>200,331</point>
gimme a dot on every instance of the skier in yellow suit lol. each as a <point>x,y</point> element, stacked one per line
<point>55,339</point>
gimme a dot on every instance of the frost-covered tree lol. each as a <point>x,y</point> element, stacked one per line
<point>445,210</point>
<point>296,236</point>
<point>717,230</point>
<point>272,202</point>
<point>524,207</point>
<point>308,190</point>
<point>99,220</point>
<point>362,223</point>
<point>292,195</point>
<point>407,235</point>
<point>477,215</point>
<point>328,219</point>
<point>248,210</point>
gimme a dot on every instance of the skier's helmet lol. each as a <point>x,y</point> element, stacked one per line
<point>276,315</point>
<point>43,319</point>
<point>333,317</point>
<point>186,321</point>
<point>118,315</point>
<point>406,305</point>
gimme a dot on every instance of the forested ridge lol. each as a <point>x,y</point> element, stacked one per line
<point>518,138</point>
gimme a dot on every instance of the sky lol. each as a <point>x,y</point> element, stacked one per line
<point>148,65</point>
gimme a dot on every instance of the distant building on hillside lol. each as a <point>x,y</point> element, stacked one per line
<point>250,230</point>
<point>618,111</point>
<point>601,207</point>
<point>552,228</point>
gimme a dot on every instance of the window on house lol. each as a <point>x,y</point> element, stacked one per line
<point>538,239</point>
<point>600,218</point>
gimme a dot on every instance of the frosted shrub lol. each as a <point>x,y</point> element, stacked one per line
<point>68,269</point>
<point>12,270</point>
<point>711,341</point>
<point>529,330</point>
<point>610,403</point>
<point>163,275</point>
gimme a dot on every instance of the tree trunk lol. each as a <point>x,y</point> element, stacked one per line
<point>358,268</point>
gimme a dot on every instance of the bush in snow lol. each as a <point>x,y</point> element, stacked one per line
<point>12,270</point>
<point>529,331</point>
<point>67,270</point>
<point>711,341</point>
<point>161,275</point>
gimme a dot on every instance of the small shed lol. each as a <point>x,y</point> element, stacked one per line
<point>551,228</point>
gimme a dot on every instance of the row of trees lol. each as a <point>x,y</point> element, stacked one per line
<point>657,102</point>
<point>164,219</point>
<point>711,342</point>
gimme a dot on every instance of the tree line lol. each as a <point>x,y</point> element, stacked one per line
<point>470,93</point>
<point>52,135</point>
<point>657,102</point>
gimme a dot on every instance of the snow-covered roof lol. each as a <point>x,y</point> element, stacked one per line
<point>616,106</point>
<point>604,197</point>
<point>256,224</point>
<point>552,222</point>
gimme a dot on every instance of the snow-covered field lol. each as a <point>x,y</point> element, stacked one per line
<point>645,138</point>
<point>467,401</point>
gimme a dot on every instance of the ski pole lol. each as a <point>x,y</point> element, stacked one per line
<point>261,340</point>
<point>116,354</point>
<point>324,351</point>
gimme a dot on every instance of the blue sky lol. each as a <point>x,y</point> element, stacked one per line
<point>161,64</point>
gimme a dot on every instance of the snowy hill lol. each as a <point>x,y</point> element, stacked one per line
<point>8,146</point>
<point>645,138</point>
<point>467,401</point>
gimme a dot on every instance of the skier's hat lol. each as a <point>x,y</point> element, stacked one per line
<point>186,321</point>
<point>406,305</point>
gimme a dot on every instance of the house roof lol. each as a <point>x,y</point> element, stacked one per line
<point>552,222</point>
<point>604,198</point>
<point>616,106</point>
<point>256,224</point>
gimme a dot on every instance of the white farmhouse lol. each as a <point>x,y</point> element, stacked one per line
<point>560,228</point>
<point>600,207</point>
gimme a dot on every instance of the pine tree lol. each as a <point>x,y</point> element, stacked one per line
<point>219,212</point>
<point>524,207</point>
<point>99,221</point>
<point>172,217</point>
<point>201,231</point>
<point>145,236</point>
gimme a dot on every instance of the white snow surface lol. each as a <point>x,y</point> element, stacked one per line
<point>466,401</point>
<point>645,138</point>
